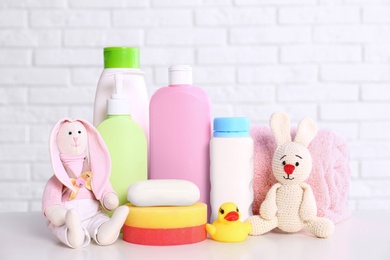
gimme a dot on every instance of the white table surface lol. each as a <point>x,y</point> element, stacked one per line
<point>365,235</point>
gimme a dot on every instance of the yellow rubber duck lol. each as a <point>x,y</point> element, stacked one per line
<point>228,227</point>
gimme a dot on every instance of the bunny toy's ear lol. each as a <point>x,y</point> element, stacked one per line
<point>306,131</point>
<point>99,159</point>
<point>58,167</point>
<point>280,126</point>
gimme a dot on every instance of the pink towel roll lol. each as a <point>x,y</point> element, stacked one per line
<point>330,177</point>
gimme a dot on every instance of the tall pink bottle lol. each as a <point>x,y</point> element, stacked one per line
<point>180,132</point>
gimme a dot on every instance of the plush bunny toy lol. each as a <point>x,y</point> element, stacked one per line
<point>290,204</point>
<point>71,197</point>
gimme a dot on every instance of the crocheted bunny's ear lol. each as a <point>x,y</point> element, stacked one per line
<point>280,126</point>
<point>58,167</point>
<point>306,131</point>
<point>99,159</point>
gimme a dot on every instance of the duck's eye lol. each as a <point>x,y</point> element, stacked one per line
<point>222,211</point>
<point>79,132</point>
<point>284,162</point>
<point>297,164</point>
<point>70,133</point>
<point>237,209</point>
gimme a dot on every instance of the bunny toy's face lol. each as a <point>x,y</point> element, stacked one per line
<point>291,164</point>
<point>72,138</point>
<point>292,161</point>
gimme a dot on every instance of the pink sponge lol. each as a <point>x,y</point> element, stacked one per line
<point>330,177</point>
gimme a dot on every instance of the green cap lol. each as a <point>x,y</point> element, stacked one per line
<point>121,57</point>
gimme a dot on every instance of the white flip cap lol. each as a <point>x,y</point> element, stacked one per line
<point>180,75</point>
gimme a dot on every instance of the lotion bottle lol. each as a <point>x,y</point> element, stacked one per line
<point>126,142</point>
<point>180,132</point>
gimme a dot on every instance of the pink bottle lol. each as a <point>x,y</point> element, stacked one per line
<point>180,132</point>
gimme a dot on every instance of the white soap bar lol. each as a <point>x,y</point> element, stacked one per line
<point>151,193</point>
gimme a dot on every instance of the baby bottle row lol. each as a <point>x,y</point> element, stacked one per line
<point>171,136</point>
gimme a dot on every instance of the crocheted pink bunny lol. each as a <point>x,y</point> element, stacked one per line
<point>290,204</point>
<point>71,197</point>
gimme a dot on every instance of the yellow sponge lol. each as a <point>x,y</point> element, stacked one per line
<point>167,217</point>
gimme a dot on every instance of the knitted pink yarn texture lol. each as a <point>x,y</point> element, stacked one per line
<point>329,179</point>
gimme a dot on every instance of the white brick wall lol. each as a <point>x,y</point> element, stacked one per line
<point>327,59</point>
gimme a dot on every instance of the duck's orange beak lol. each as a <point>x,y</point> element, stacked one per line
<point>232,216</point>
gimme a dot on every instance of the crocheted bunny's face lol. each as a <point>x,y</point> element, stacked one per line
<point>292,161</point>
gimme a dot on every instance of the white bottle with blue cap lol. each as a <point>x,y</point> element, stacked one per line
<point>231,165</point>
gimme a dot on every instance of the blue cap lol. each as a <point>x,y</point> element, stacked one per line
<point>231,127</point>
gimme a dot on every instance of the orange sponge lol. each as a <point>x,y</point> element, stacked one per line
<point>166,225</point>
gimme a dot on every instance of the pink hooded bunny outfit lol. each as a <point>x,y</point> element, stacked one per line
<point>68,167</point>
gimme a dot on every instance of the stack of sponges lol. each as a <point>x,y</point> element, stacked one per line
<point>165,212</point>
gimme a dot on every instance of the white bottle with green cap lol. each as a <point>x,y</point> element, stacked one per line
<point>126,62</point>
<point>231,165</point>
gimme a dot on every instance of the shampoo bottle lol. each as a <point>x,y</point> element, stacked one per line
<point>231,165</point>
<point>124,61</point>
<point>126,142</point>
<point>180,132</point>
